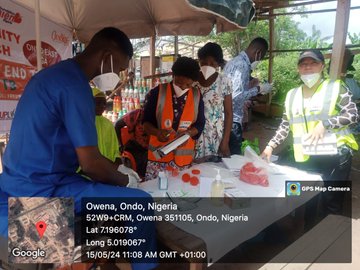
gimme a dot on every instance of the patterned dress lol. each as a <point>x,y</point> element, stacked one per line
<point>213,97</point>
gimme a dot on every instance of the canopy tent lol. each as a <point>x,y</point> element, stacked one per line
<point>142,18</point>
<point>146,18</point>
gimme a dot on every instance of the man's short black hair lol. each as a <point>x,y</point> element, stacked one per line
<point>259,42</point>
<point>187,67</point>
<point>212,49</point>
<point>116,36</point>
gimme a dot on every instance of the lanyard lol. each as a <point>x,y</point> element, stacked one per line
<point>302,103</point>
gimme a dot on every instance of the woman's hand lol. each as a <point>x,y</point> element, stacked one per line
<point>163,135</point>
<point>224,150</point>
<point>267,153</point>
<point>317,134</point>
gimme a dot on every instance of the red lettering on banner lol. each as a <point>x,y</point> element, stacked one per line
<point>60,37</point>
<point>13,79</point>
<point>5,50</point>
<point>7,115</point>
<point>9,36</point>
<point>10,17</point>
<point>49,55</point>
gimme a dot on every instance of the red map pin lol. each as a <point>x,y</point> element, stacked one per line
<point>41,228</point>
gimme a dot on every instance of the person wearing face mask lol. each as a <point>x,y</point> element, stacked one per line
<point>314,110</point>
<point>238,70</point>
<point>216,89</point>
<point>53,133</point>
<point>171,110</point>
<point>107,140</point>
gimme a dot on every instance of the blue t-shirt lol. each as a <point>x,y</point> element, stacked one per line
<point>55,115</point>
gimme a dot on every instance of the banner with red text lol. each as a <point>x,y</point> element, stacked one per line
<point>18,48</point>
<point>18,51</point>
<point>7,112</point>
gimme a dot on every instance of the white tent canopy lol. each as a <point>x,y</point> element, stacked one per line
<point>137,18</point>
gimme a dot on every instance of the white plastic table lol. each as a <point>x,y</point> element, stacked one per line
<point>222,237</point>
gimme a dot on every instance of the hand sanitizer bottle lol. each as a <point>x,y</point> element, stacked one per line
<point>217,190</point>
<point>163,181</point>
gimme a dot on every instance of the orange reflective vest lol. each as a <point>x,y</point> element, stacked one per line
<point>184,154</point>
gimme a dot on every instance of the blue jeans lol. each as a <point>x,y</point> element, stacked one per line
<point>235,139</point>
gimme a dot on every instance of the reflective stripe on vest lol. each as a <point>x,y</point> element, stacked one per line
<point>323,115</point>
<point>160,104</point>
<point>326,96</point>
<point>196,94</point>
<point>184,152</point>
<point>183,155</point>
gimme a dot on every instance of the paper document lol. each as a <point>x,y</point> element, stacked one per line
<point>235,162</point>
<point>326,146</point>
<point>171,146</point>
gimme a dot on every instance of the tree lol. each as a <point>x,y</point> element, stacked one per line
<point>355,40</point>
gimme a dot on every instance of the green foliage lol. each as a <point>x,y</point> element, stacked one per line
<point>356,65</point>
<point>285,75</point>
<point>253,144</point>
<point>288,35</point>
<point>235,41</point>
<point>355,39</point>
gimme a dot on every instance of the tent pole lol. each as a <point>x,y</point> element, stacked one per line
<point>176,46</point>
<point>340,34</point>
<point>271,58</point>
<point>152,55</point>
<point>37,35</point>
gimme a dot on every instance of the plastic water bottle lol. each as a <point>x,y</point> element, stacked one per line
<point>217,190</point>
<point>131,104</point>
<point>136,93</point>
<point>114,117</point>
<point>126,93</point>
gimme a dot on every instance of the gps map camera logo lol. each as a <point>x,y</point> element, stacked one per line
<point>293,189</point>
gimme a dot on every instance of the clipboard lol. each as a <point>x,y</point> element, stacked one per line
<point>327,146</point>
<point>171,146</point>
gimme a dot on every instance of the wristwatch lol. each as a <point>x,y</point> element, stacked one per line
<point>326,124</point>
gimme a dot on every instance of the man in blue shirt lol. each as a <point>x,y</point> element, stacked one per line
<point>54,132</point>
<point>239,70</point>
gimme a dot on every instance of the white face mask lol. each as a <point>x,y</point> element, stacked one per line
<point>310,79</point>
<point>207,71</point>
<point>106,81</point>
<point>254,64</point>
<point>178,91</point>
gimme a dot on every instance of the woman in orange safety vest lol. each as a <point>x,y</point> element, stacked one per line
<point>171,110</point>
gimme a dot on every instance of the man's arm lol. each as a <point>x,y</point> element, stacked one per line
<point>98,168</point>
